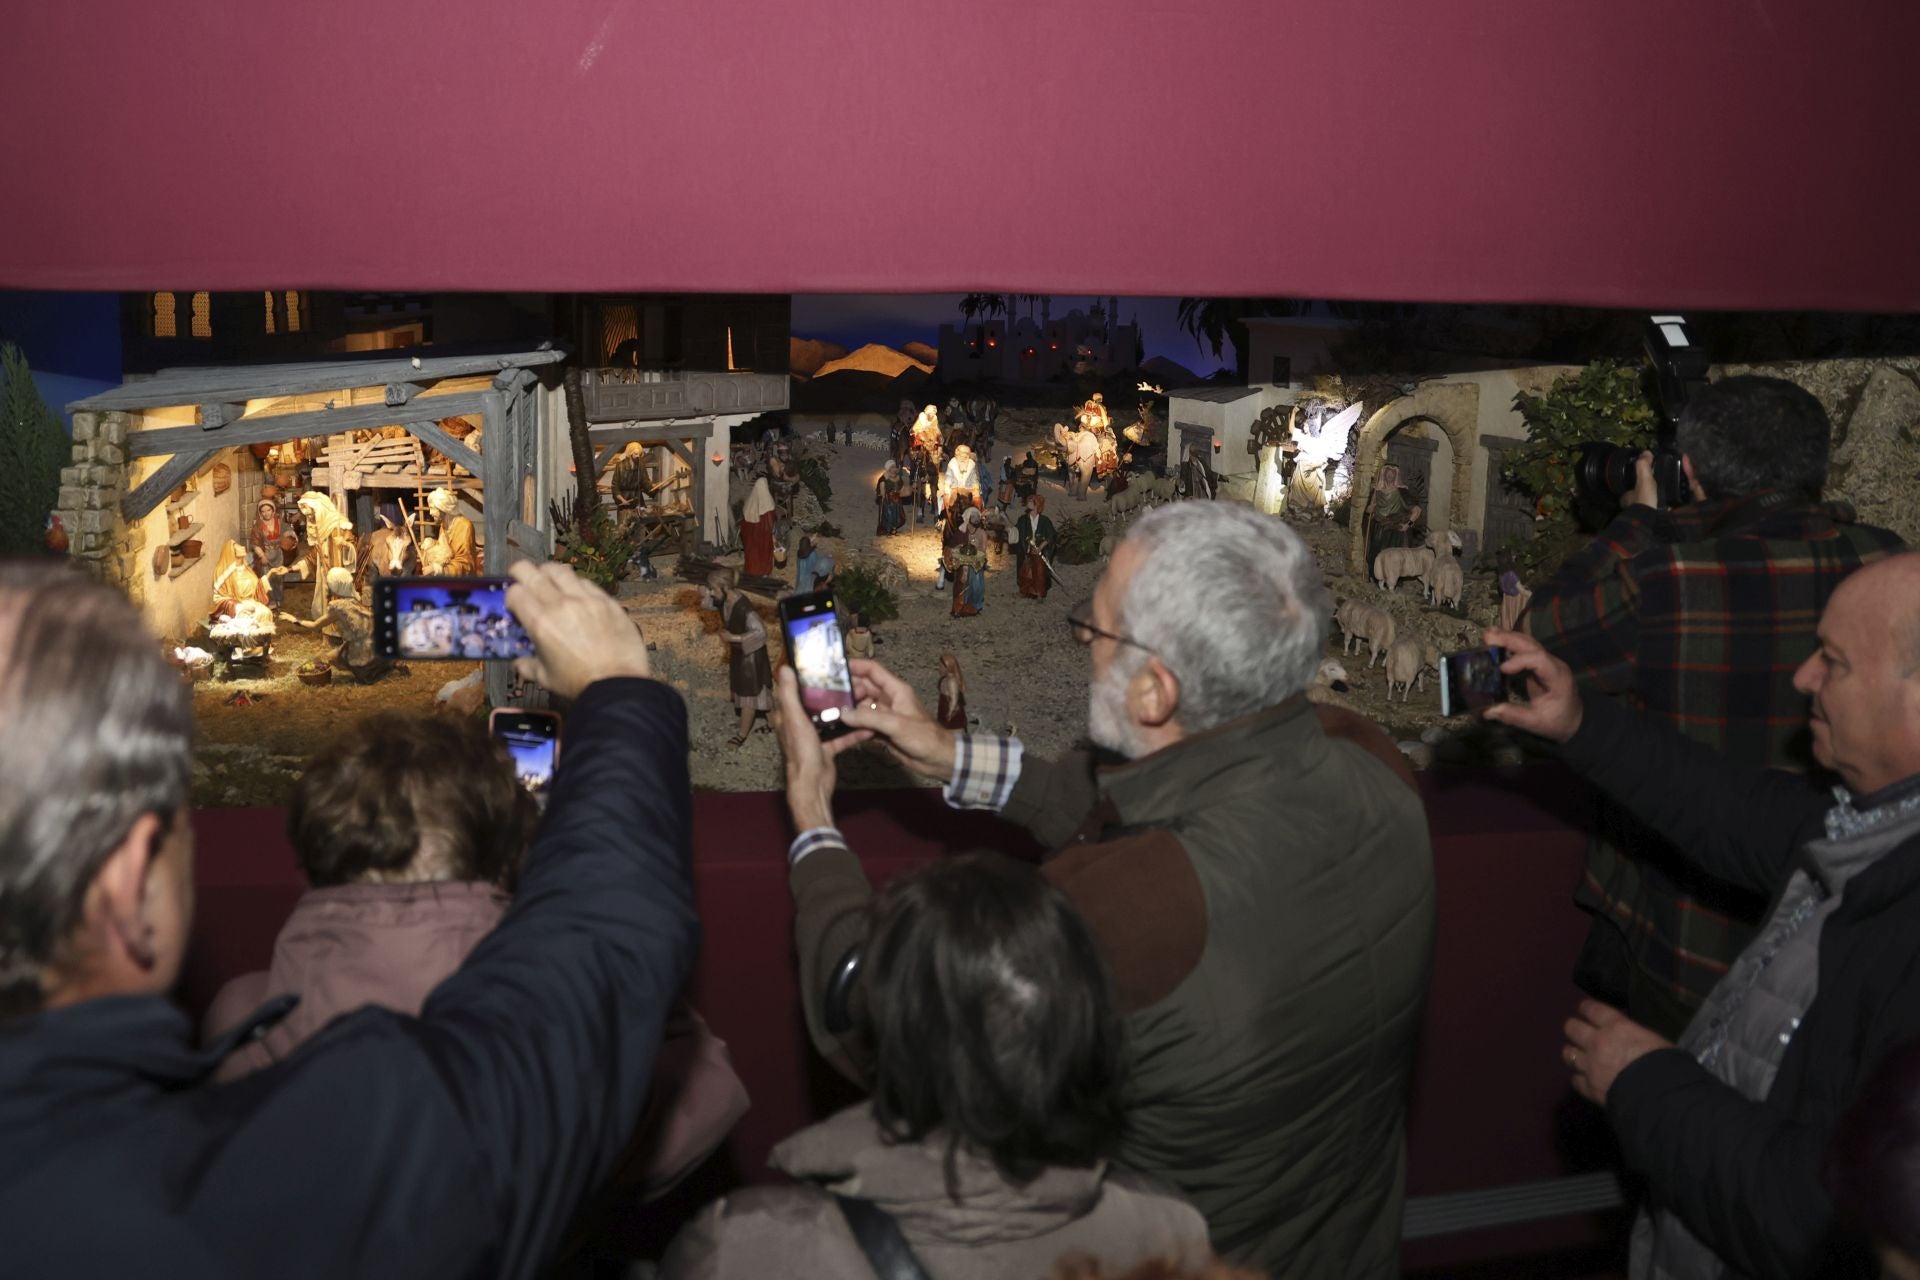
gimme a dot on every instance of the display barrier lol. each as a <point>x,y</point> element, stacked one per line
<point>1503,1159</point>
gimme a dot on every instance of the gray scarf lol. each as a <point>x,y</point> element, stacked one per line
<point>1741,1033</point>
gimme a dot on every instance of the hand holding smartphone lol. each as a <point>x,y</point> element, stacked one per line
<point>446,619</point>
<point>532,738</point>
<point>1471,680</point>
<point>817,649</point>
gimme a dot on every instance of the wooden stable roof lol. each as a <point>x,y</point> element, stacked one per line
<point>229,384</point>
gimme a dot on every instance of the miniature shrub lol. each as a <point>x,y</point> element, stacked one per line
<point>813,474</point>
<point>1604,401</point>
<point>859,590</point>
<point>826,529</point>
<point>33,448</point>
<point>1080,539</point>
<point>601,551</point>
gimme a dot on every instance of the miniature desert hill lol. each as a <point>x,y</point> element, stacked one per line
<point>857,390</point>
<point>922,352</point>
<point>875,357</point>
<point>1169,374</point>
<point>806,355</point>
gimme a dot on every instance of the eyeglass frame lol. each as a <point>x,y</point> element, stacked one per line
<point>1079,623</point>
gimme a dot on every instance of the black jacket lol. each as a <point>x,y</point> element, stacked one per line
<point>1745,1176</point>
<point>456,1143</point>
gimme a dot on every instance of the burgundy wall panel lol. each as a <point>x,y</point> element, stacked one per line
<point>1714,154</point>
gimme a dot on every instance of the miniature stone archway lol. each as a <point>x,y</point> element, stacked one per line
<point>1454,407</point>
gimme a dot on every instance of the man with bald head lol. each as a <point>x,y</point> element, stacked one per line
<point>1728,1127</point>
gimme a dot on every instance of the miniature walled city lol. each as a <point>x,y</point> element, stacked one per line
<point>249,508</point>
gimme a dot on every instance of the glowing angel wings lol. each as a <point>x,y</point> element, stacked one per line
<point>1317,448</point>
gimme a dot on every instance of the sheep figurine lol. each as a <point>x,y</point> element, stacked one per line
<point>1364,622</point>
<point>1447,583</point>
<point>1396,563</point>
<point>1406,666</point>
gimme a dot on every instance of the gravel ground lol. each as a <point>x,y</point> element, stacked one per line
<point>1024,672</point>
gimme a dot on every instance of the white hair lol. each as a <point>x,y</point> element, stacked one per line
<point>1107,721</point>
<point>1232,602</point>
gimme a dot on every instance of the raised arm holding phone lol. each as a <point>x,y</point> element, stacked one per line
<point>1255,871</point>
<point>457,1143</point>
<point>1730,1124</point>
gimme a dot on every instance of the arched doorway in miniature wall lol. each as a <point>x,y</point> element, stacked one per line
<point>1452,408</point>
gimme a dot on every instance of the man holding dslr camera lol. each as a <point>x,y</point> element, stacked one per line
<point>456,1143</point>
<point>1699,614</point>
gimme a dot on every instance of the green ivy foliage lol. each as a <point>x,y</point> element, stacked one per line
<point>33,448</point>
<point>1604,401</point>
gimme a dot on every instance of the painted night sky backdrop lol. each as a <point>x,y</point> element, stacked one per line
<point>853,319</point>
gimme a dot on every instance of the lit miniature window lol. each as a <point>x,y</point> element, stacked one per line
<point>163,320</point>
<point>293,311</point>
<point>269,298</point>
<point>619,324</point>
<point>202,315</point>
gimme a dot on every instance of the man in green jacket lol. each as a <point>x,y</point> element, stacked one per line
<point>1256,870</point>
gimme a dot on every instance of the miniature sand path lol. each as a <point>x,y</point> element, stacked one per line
<point>1024,672</point>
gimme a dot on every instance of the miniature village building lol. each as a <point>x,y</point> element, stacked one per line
<point>1024,350</point>
<point>1447,433</point>
<point>674,376</point>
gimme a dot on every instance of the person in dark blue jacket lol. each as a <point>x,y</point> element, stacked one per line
<point>456,1143</point>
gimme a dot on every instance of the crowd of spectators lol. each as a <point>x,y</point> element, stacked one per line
<point>1178,1046</point>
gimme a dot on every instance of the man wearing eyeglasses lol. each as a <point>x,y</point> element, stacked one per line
<point>1256,869</point>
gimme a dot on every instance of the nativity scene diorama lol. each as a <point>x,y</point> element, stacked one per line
<point>958,517</point>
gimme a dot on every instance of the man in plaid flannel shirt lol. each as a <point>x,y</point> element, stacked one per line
<point>1700,615</point>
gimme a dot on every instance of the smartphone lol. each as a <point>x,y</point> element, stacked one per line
<point>452,619</point>
<point>1472,679</point>
<point>817,648</point>
<point>532,738</point>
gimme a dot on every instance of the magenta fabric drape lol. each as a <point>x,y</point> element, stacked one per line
<point>1636,152</point>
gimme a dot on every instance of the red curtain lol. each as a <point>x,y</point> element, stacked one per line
<point>1638,152</point>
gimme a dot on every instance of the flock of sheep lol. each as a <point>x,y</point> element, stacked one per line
<point>1406,660</point>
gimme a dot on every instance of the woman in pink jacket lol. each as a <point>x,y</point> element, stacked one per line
<point>410,830</point>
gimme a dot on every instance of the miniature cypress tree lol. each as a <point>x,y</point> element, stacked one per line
<point>33,448</point>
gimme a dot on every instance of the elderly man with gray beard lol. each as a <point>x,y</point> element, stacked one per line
<point>1256,870</point>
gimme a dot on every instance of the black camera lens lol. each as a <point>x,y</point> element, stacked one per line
<point>1605,470</point>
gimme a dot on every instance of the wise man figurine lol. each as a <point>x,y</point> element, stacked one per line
<point>330,544</point>
<point>456,536</point>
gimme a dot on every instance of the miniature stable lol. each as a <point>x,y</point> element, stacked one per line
<point>220,498</point>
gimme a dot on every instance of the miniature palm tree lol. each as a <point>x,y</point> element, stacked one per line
<point>33,448</point>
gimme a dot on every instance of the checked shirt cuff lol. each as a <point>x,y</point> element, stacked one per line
<point>814,838</point>
<point>985,768</point>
